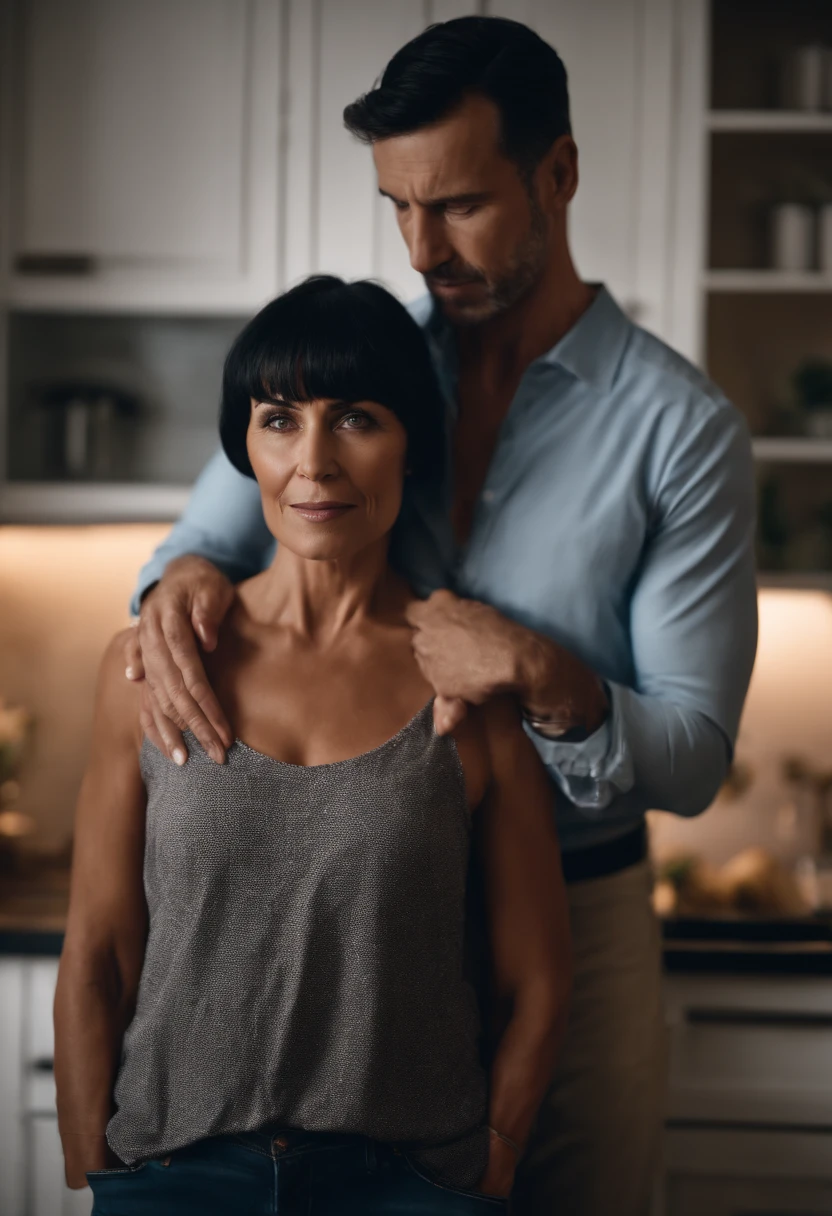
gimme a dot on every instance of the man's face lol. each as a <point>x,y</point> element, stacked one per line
<point>475,229</point>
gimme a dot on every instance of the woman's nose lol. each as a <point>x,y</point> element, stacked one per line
<point>317,459</point>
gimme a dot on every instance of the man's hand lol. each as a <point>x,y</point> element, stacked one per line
<point>470,653</point>
<point>466,650</point>
<point>190,601</point>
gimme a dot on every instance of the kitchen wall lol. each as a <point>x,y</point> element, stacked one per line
<point>788,713</point>
<point>64,593</point>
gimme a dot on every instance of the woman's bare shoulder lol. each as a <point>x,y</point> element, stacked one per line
<point>117,698</point>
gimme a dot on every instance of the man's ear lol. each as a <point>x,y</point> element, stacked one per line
<point>563,157</point>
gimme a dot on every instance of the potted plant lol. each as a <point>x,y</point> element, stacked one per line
<point>813,389</point>
<point>15,723</point>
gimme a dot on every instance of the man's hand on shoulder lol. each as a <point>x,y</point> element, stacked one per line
<point>471,653</point>
<point>188,603</point>
<point>466,650</point>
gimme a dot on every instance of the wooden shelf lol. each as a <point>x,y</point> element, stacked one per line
<point>788,450</point>
<point>767,281</point>
<point>117,502</point>
<point>770,121</point>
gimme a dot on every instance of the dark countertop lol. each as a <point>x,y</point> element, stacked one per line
<point>33,917</point>
<point>33,908</point>
<point>748,945</point>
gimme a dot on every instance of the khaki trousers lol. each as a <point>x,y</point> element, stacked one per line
<point>595,1145</point>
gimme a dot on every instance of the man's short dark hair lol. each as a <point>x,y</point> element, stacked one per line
<point>438,69</point>
<point>329,339</point>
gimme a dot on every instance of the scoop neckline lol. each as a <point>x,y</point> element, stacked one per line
<point>374,751</point>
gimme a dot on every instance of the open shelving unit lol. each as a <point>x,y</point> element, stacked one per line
<point>788,450</point>
<point>759,324</point>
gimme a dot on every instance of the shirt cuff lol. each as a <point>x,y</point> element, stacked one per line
<point>597,770</point>
<point>148,578</point>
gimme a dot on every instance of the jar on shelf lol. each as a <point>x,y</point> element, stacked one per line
<point>792,237</point>
<point>803,80</point>
<point>824,223</point>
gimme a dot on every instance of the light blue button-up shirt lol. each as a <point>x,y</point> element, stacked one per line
<point>617,517</point>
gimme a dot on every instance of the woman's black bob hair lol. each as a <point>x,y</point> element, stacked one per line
<point>347,341</point>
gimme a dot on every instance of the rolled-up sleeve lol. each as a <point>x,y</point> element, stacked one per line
<point>222,522</point>
<point>668,741</point>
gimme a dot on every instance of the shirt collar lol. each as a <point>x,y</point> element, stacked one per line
<point>591,350</point>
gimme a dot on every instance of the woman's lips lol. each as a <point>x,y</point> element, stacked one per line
<point>320,512</point>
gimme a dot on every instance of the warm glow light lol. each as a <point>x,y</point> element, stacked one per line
<point>64,592</point>
<point>791,689</point>
<point>788,712</point>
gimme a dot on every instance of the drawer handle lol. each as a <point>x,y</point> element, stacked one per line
<point>787,1018</point>
<point>62,264</point>
<point>43,1064</point>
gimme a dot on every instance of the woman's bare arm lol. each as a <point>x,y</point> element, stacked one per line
<point>529,935</point>
<point>106,931</point>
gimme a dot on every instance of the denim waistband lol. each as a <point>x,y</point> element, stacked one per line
<point>278,1140</point>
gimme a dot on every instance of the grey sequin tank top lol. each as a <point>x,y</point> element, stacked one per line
<point>305,956</point>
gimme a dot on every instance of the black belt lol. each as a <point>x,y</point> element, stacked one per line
<point>600,860</point>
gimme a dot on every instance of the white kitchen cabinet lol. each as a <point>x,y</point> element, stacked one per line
<point>751,1049</point>
<point>336,221</point>
<point>618,58</point>
<point>198,160</point>
<point>12,984</point>
<point>749,1108</point>
<point>144,154</point>
<point>31,1159</point>
<point>727,1172</point>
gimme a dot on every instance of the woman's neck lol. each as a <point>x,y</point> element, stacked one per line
<point>323,600</point>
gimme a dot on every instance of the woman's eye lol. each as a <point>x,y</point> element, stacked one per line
<point>356,421</point>
<point>280,422</point>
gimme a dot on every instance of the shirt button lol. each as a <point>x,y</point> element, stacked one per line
<point>488,495</point>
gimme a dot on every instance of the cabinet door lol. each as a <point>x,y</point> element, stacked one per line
<point>145,150</point>
<point>336,221</point>
<point>747,1197</point>
<point>32,1179</point>
<point>617,55</point>
<point>48,1193</point>
<point>727,1172</point>
<point>12,1003</point>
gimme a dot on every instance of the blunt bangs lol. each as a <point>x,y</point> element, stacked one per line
<point>329,339</point>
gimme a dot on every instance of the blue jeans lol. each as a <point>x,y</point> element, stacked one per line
<point>280,1172</point>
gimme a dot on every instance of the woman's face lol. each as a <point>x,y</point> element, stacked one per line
<point>330,473</point>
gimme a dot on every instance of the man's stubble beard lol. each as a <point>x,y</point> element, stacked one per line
<point>515,283</point>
